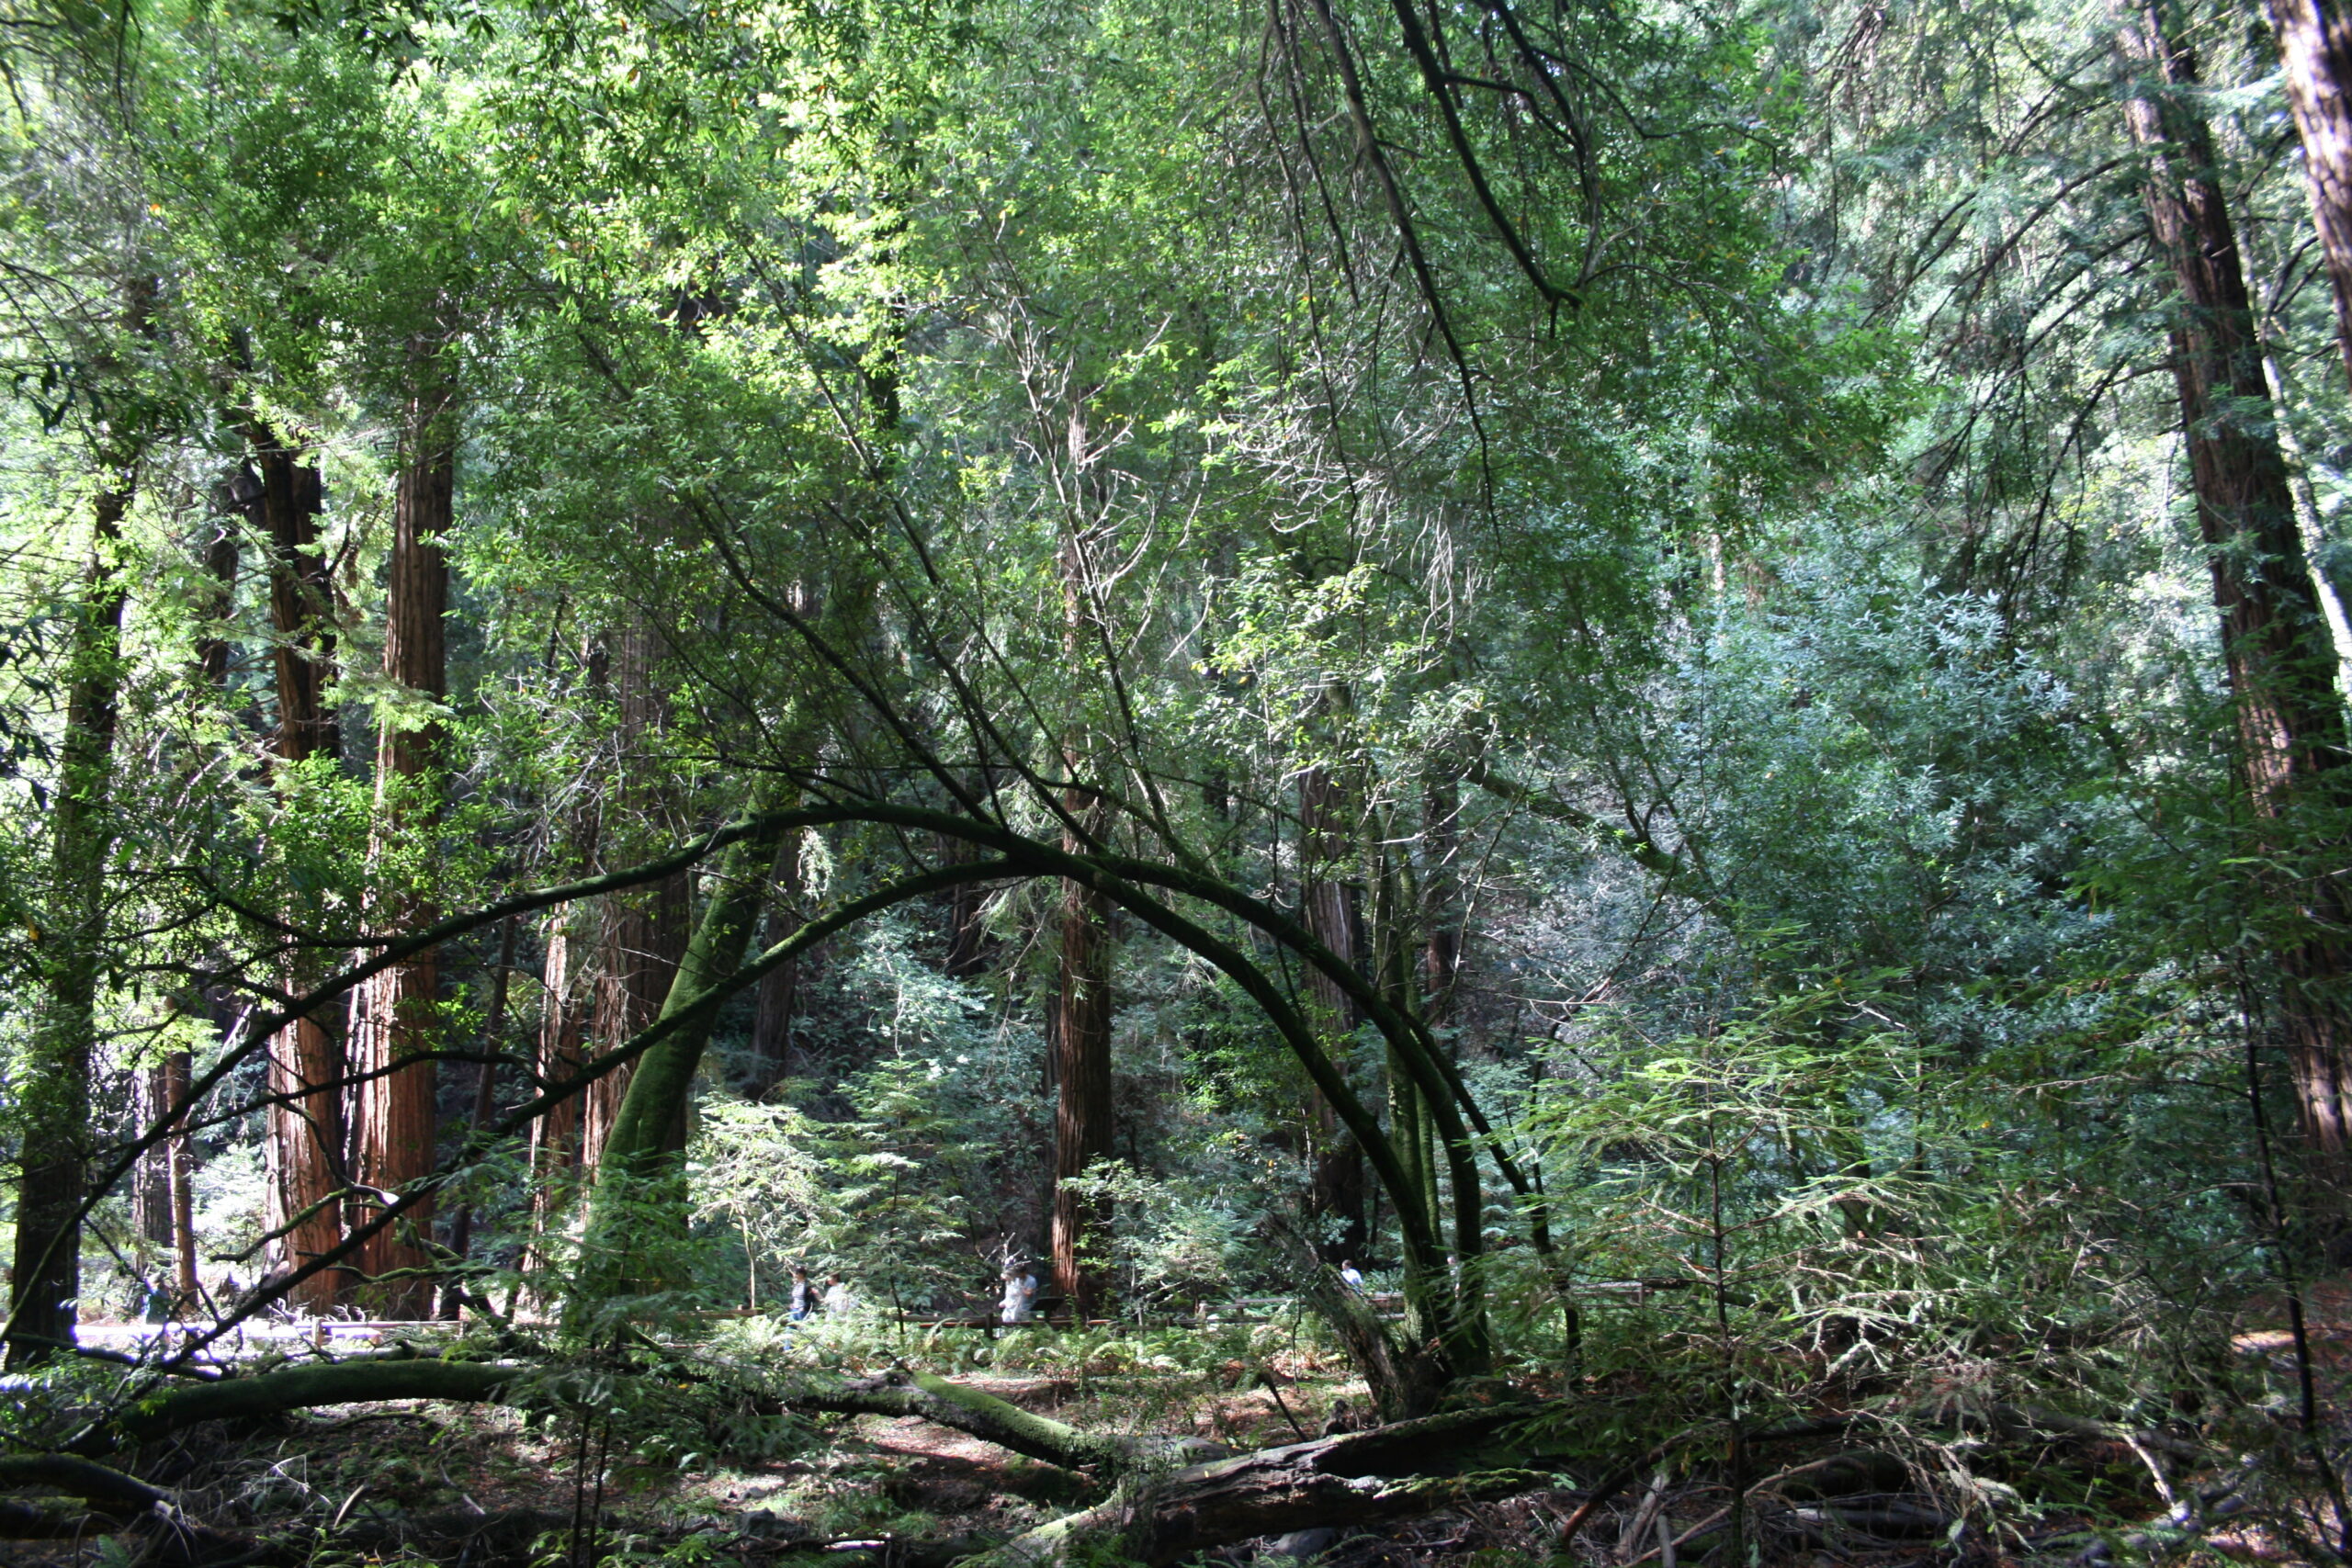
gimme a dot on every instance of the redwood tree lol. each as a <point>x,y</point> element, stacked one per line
<point>2281,664</point>
<point>285,497</point>
<point>2315,55</point>
<point>396,1016</point>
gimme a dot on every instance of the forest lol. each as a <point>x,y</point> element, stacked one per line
<point>908,783</point>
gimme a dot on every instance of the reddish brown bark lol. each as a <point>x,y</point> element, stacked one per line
<point>396,1016</point>
<point>306,1124</point>
<point>2281,664</point>
<point>2315,55</point>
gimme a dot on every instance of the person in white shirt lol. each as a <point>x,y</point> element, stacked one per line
<point>1352,1277</point>
<point>1018,1288</point>
<point>838,1301</point>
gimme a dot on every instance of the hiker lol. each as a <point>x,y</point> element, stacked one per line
<point>1352,1277</point>
<point>804,1294</point>
<point>1020,1291</point>
<point>838,1302</point>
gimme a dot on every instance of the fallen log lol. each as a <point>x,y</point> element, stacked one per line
<point>936,1399</point>
<point>35,1521</point>
<point>324,1383</point>
<point>1388,1473</point>
<point>993,1420</point>
<point>113,1502</point>
<point>78,1477</point>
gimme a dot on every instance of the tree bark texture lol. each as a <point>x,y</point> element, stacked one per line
<point>1330,912</point>
<point>2315,57</point>
<point>396,1016</point>
<point>306,1123</point>
<point>1083,1108</point>
<point>2280,661</point>
<point>53,1086</point>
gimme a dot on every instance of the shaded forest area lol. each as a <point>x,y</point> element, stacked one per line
<point>1374,782</point>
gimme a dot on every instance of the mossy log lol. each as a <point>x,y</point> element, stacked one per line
<point>324,1383</point>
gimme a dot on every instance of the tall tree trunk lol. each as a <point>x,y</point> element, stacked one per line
<point>779,1001</point>
<point>177,1072</point>
<point>53,1086</point>
<point>1328,909</point>
<point>2315,52</point>
<point>1083,1125</point>
<point>563,1019</point>
<point>150,1186</point>
<point>396,1016</point>
<point>2281,664</point>
<point>645,933</point>
<point>178,1078</point>
<point>306,1061</point>
<point>493,1038</point>
<point>969,946</point>
<point>638,1206</point>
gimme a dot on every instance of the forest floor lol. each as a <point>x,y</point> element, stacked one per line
<point>479,1487</point>
<point>485,1487</point>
